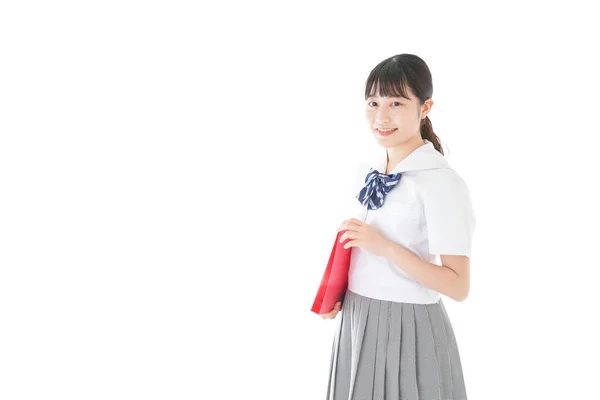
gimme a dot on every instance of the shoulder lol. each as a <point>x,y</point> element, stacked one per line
<point>441,179</point>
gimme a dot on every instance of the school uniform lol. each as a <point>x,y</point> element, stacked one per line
<point>394,339</point>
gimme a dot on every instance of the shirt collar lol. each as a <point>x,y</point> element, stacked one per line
<point>422,158</point>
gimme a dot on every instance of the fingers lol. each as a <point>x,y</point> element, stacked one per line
<point>348,235</point>
<point>331,315</point>
<point>334,312</point>
<point>350,223</point>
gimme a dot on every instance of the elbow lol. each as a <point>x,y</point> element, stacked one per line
<point>463,290</point>
<point>462,295</point>
<point>462,298</point>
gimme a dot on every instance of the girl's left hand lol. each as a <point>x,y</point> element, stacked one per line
<point>364,236</point>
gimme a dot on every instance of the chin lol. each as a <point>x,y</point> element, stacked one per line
<point>390,141</point>
<point>387,145</point>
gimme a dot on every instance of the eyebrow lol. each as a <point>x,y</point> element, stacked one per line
<point>391,97</point>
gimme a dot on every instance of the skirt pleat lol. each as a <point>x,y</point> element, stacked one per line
<point>385,350</point>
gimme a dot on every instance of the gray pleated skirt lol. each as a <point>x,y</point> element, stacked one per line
<point>386,350</point>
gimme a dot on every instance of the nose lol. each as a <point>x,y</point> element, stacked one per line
<point>382,116</point>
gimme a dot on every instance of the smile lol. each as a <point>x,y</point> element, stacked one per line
<point>386,132</point>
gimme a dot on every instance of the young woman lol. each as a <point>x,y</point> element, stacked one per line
<point>394,339</point>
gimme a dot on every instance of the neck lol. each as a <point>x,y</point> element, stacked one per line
<point>396,154</point>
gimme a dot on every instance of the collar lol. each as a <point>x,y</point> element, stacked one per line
<point>422,158</point>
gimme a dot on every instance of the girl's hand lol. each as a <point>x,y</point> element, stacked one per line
<point>364,236</point>
<point>333,312</point>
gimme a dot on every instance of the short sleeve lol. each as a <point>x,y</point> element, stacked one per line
<point>449,214</point>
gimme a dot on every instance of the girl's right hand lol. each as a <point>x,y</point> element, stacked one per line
<point>333,312</point>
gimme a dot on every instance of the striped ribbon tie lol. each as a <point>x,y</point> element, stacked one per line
<point>377,186</point>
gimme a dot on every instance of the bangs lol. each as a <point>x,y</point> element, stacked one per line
<point>387,79</point>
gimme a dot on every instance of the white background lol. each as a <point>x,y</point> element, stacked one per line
<point>171,175</point>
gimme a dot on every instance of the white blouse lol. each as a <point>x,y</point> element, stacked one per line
<point>429,212</point>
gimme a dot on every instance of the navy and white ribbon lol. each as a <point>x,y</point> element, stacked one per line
<point>377,186</point>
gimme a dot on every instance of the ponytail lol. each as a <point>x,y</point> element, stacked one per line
<point>427,133</point>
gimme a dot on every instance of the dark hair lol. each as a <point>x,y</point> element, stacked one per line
<point>393,74</point>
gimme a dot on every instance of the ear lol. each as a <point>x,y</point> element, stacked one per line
<point>426,107</point>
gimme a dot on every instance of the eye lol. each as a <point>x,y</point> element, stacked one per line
<point>372,102</point>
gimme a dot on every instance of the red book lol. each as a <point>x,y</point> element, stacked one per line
<point>335,279</point>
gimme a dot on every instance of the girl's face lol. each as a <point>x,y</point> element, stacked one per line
<point>403,116</point>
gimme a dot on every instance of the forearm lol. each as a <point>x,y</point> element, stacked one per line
<point>437,277</point>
